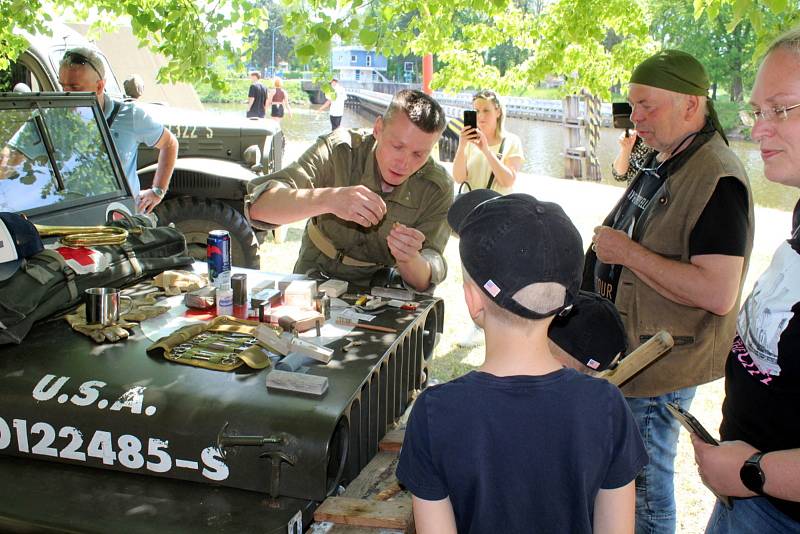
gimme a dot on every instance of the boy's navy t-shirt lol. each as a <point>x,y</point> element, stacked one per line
<point>520,453</point>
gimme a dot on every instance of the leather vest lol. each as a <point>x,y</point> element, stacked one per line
<point>702,339</point>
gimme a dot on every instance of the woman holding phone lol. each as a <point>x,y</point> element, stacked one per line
<point>487,155</point>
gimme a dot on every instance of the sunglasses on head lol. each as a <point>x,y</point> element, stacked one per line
<point>75,58</point>
<point>485,95</point>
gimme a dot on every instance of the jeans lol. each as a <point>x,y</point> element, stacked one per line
<point>655,495</point>
<point>750,516</point>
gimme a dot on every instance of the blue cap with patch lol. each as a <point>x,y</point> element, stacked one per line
<point>19,240</point>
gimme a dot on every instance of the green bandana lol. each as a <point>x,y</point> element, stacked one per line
<point>678,72</point>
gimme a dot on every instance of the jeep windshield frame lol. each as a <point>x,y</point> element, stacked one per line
<point>64,150</point>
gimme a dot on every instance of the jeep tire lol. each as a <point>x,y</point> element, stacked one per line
<point>195,217</point>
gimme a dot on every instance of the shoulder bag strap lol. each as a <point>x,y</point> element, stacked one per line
<point>114,111</point>
<point>500,156</point>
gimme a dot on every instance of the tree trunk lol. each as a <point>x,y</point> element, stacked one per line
<point>714,91</point>
<point>737,89</point>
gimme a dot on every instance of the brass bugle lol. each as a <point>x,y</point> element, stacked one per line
<point>84,236</point>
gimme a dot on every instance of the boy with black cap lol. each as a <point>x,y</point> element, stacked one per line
<point>522,444</point>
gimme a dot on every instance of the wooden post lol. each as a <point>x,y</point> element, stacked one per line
<point>574,151</point>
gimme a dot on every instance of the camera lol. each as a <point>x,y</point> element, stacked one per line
<point>621,115</point>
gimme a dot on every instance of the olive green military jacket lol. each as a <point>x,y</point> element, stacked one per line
<point>347,158</point>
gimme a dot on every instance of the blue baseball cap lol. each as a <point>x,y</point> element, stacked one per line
<point>19,240</point>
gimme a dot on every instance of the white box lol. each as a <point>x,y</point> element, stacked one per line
<point>300,293</point>
<point>333,288</point>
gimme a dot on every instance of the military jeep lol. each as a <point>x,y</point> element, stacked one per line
<point>111,438</point>
<point>216,158</point>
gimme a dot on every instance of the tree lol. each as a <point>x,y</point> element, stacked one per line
<point>191,34</point>
<point>284,46</point>
<point>510,43</point>
<point>727,55</point>
<point>564,37</point>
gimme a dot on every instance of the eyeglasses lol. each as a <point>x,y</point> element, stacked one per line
<point>750,116</point>
<point>75,58</point>
<point>652,170</point>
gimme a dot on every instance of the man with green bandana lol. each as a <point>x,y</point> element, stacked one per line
<point>672,255</point>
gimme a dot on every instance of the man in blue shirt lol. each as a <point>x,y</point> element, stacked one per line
<point>81,69</point>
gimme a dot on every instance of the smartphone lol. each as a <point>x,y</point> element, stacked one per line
<point>691,424</point>
<point>470,118</point>
<point>621,115</point>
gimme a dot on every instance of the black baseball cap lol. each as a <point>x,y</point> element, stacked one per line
<point>592,332</point>
<point>510,242</point>
<point>19,240</point>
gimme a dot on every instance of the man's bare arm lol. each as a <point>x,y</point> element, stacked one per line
<point>709,281</point>
<point>281,205</point>
<point>167,146</point>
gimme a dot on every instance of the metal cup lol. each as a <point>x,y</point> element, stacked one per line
<point>103,305</point>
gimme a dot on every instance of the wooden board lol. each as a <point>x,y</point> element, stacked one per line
<point>632,364</point>
<point>393,440</point>
<point>297,382</point>
<point>375,478</point>
<point>364,513</point>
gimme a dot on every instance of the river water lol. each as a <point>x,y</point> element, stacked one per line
<point>543,143</point>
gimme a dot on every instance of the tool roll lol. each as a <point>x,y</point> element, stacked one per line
<point>54,280</point>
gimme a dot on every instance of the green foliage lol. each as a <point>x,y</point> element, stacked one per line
<point>501,44</point>
<point>238,88</point>
<point>512,45</point>
<point>728,113</point>
<point>191,34</point>
<point>767,17</point>
<point>262,39</point>
<point>504,44</point>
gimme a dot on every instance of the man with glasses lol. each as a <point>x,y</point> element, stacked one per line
<point>81,69</point>
<point>672,255</point>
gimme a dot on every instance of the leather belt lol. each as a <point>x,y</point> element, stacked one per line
<point>325,246</point>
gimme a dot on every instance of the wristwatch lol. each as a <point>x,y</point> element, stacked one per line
<point>751,474</point>
<point>158,191</point>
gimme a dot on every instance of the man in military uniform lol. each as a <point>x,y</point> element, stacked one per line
<point>374,200</point>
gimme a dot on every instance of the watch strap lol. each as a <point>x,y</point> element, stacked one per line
<point>752,475</point>
<point>158,191</point>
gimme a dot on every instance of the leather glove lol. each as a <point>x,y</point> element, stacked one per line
<point>98,333</point>
<point>177,282</point>
<point>143,308</point>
